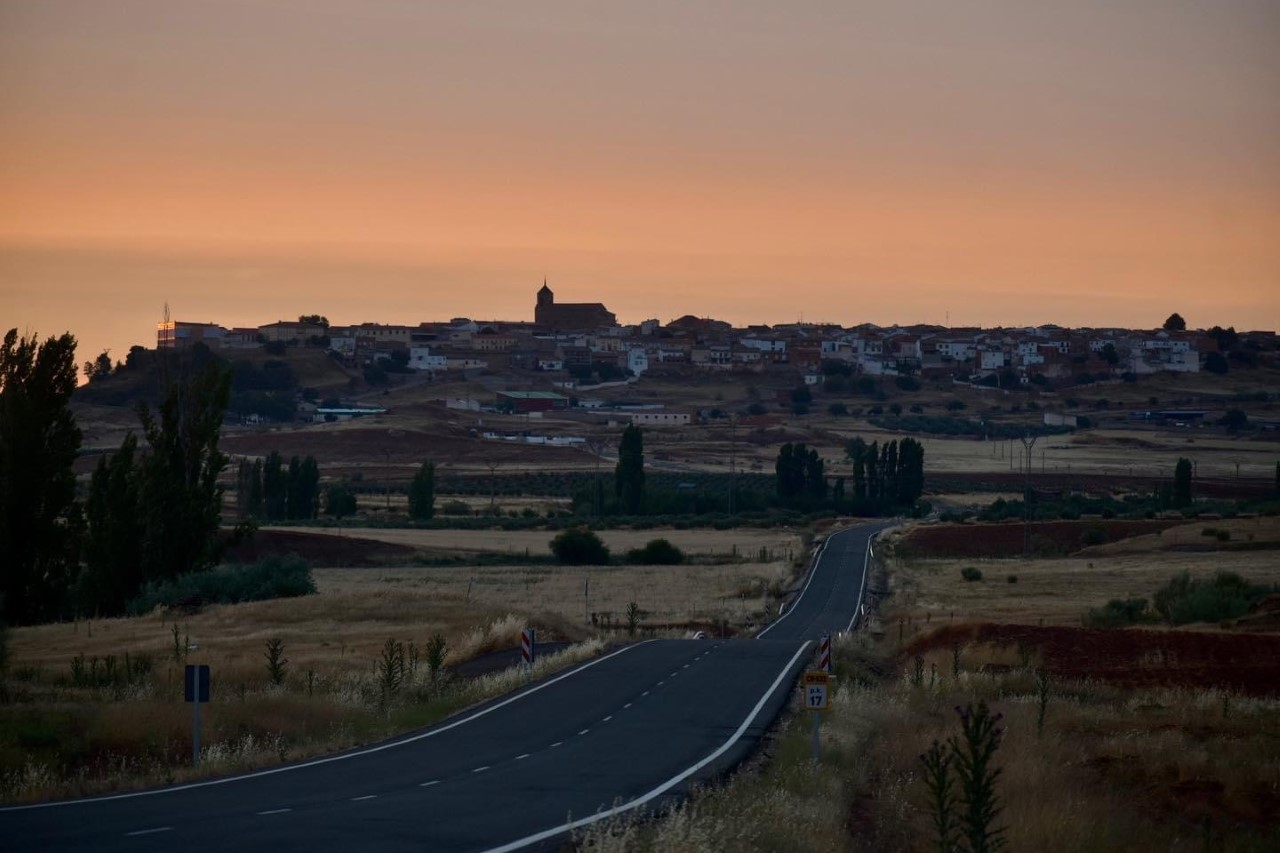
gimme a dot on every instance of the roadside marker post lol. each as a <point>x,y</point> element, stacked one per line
<point>196,691</point>
<point>528,647</point>
<point>815,685</point>
<point>824,654</point>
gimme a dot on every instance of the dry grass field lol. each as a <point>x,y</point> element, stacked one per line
<point>1084,765</point>
<point>78,723</point>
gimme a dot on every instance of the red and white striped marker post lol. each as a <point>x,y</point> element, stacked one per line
<point>824,653</point>
<point>528,648</point>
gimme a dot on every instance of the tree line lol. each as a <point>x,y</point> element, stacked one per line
<point>153,507</point>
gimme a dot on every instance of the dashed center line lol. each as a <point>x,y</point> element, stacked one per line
<point>646,693</point>
<point>149,831</point>
<point>673,675</point>
<point>557,743</point>
<point>522,757</point>
<point>584,731</point>
<point>365,797</point>
<point>275,811</point>
<point>686,666</point>
<point>607,719</point>
<point>429,784</point>
<point>659,684</point>
<point>481,769</point>
<point>628,705</point>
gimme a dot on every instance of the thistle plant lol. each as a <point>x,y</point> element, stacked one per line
<point>437,649</point>
<point>972,755</point>
<point>390,667</point>
<point>276,662</point>
<point>917,674</point>
<point>941,799</point>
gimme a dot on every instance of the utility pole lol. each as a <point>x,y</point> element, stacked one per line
<point>1028,442</point>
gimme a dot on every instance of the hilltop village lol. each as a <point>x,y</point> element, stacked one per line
<point>569,346</point>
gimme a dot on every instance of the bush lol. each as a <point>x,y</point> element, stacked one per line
<point>271,577</point>
<point>657,552</point>
<point>969,573</point>
<point>1013,578</point>
<point>455,508</point>
<point>1118,613</point>
<point>579,547</point>
<point>1225,596</point>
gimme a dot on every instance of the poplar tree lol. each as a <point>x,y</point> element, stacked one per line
<point>39,440</point>
<point>628,481</point>
<point>422,493</point>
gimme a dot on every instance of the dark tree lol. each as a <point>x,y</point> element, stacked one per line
<point>1175,323</point>
<point>628,480</point>
<point>302,494</point>
<point>579,547</point>
<point>249,497</point>
<point>39,440</point>
<point>815,481</point>
<point>856,450</point>
<point>1216,362</point>
<point>181,500</point>
<point>1234,420</point>
<point>314,320</point>
<point>275,487</point>
<point>340,502</point>
<point>99,368</point>
<point>1182,483</point>
<point>422,492</point>
<point>113,570</point>
<point>1109,354</point>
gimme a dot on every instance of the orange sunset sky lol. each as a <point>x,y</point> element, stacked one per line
<point>1085,163</point>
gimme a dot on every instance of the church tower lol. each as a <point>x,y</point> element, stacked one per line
<point>546,305</point>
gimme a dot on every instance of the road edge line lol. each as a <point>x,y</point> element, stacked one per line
<point>257,774</point>
<point>667,785</point>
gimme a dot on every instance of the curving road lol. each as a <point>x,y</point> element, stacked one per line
<point>629,730</point>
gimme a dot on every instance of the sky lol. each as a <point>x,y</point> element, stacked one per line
<point>990,162</point>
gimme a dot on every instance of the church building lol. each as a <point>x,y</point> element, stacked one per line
<point>570,316</point>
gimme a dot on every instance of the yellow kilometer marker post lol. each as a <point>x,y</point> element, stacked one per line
<point>815,685</point>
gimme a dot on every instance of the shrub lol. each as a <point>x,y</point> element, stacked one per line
<point>579,547</point>
<point>1013,578</point>
<point>969,573</point>
<point>455,508</point>
<point>271,577</point>
<point>1118,613</point>
<point>656,552</point>
<point>1225,596</point>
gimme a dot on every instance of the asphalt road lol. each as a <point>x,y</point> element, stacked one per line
<point>630,730</point>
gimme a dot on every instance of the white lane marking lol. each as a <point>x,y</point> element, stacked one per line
<point>584,731</point>
<point>148,831</point>
<point>557,743</point>
<point>628,705</point>
<point>646,693</point>
<point>686,666</point>
<point>817,559</point>
<point>522,757</point>
<point>371,750</point>
<point>660,683</point>
<point>365,797</point>
<point>866,564</point>
<point>670,783</point>
<point>607,719</point>
<point>481,769</point>
<point>275,811</point>
<point>429,784</point>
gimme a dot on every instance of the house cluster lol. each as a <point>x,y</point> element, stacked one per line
<point>568,345</point>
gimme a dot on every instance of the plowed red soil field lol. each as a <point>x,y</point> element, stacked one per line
<point>994,541</point>
<point>1136,658</point>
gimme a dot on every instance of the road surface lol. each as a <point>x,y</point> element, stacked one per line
<point>631,730</point>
